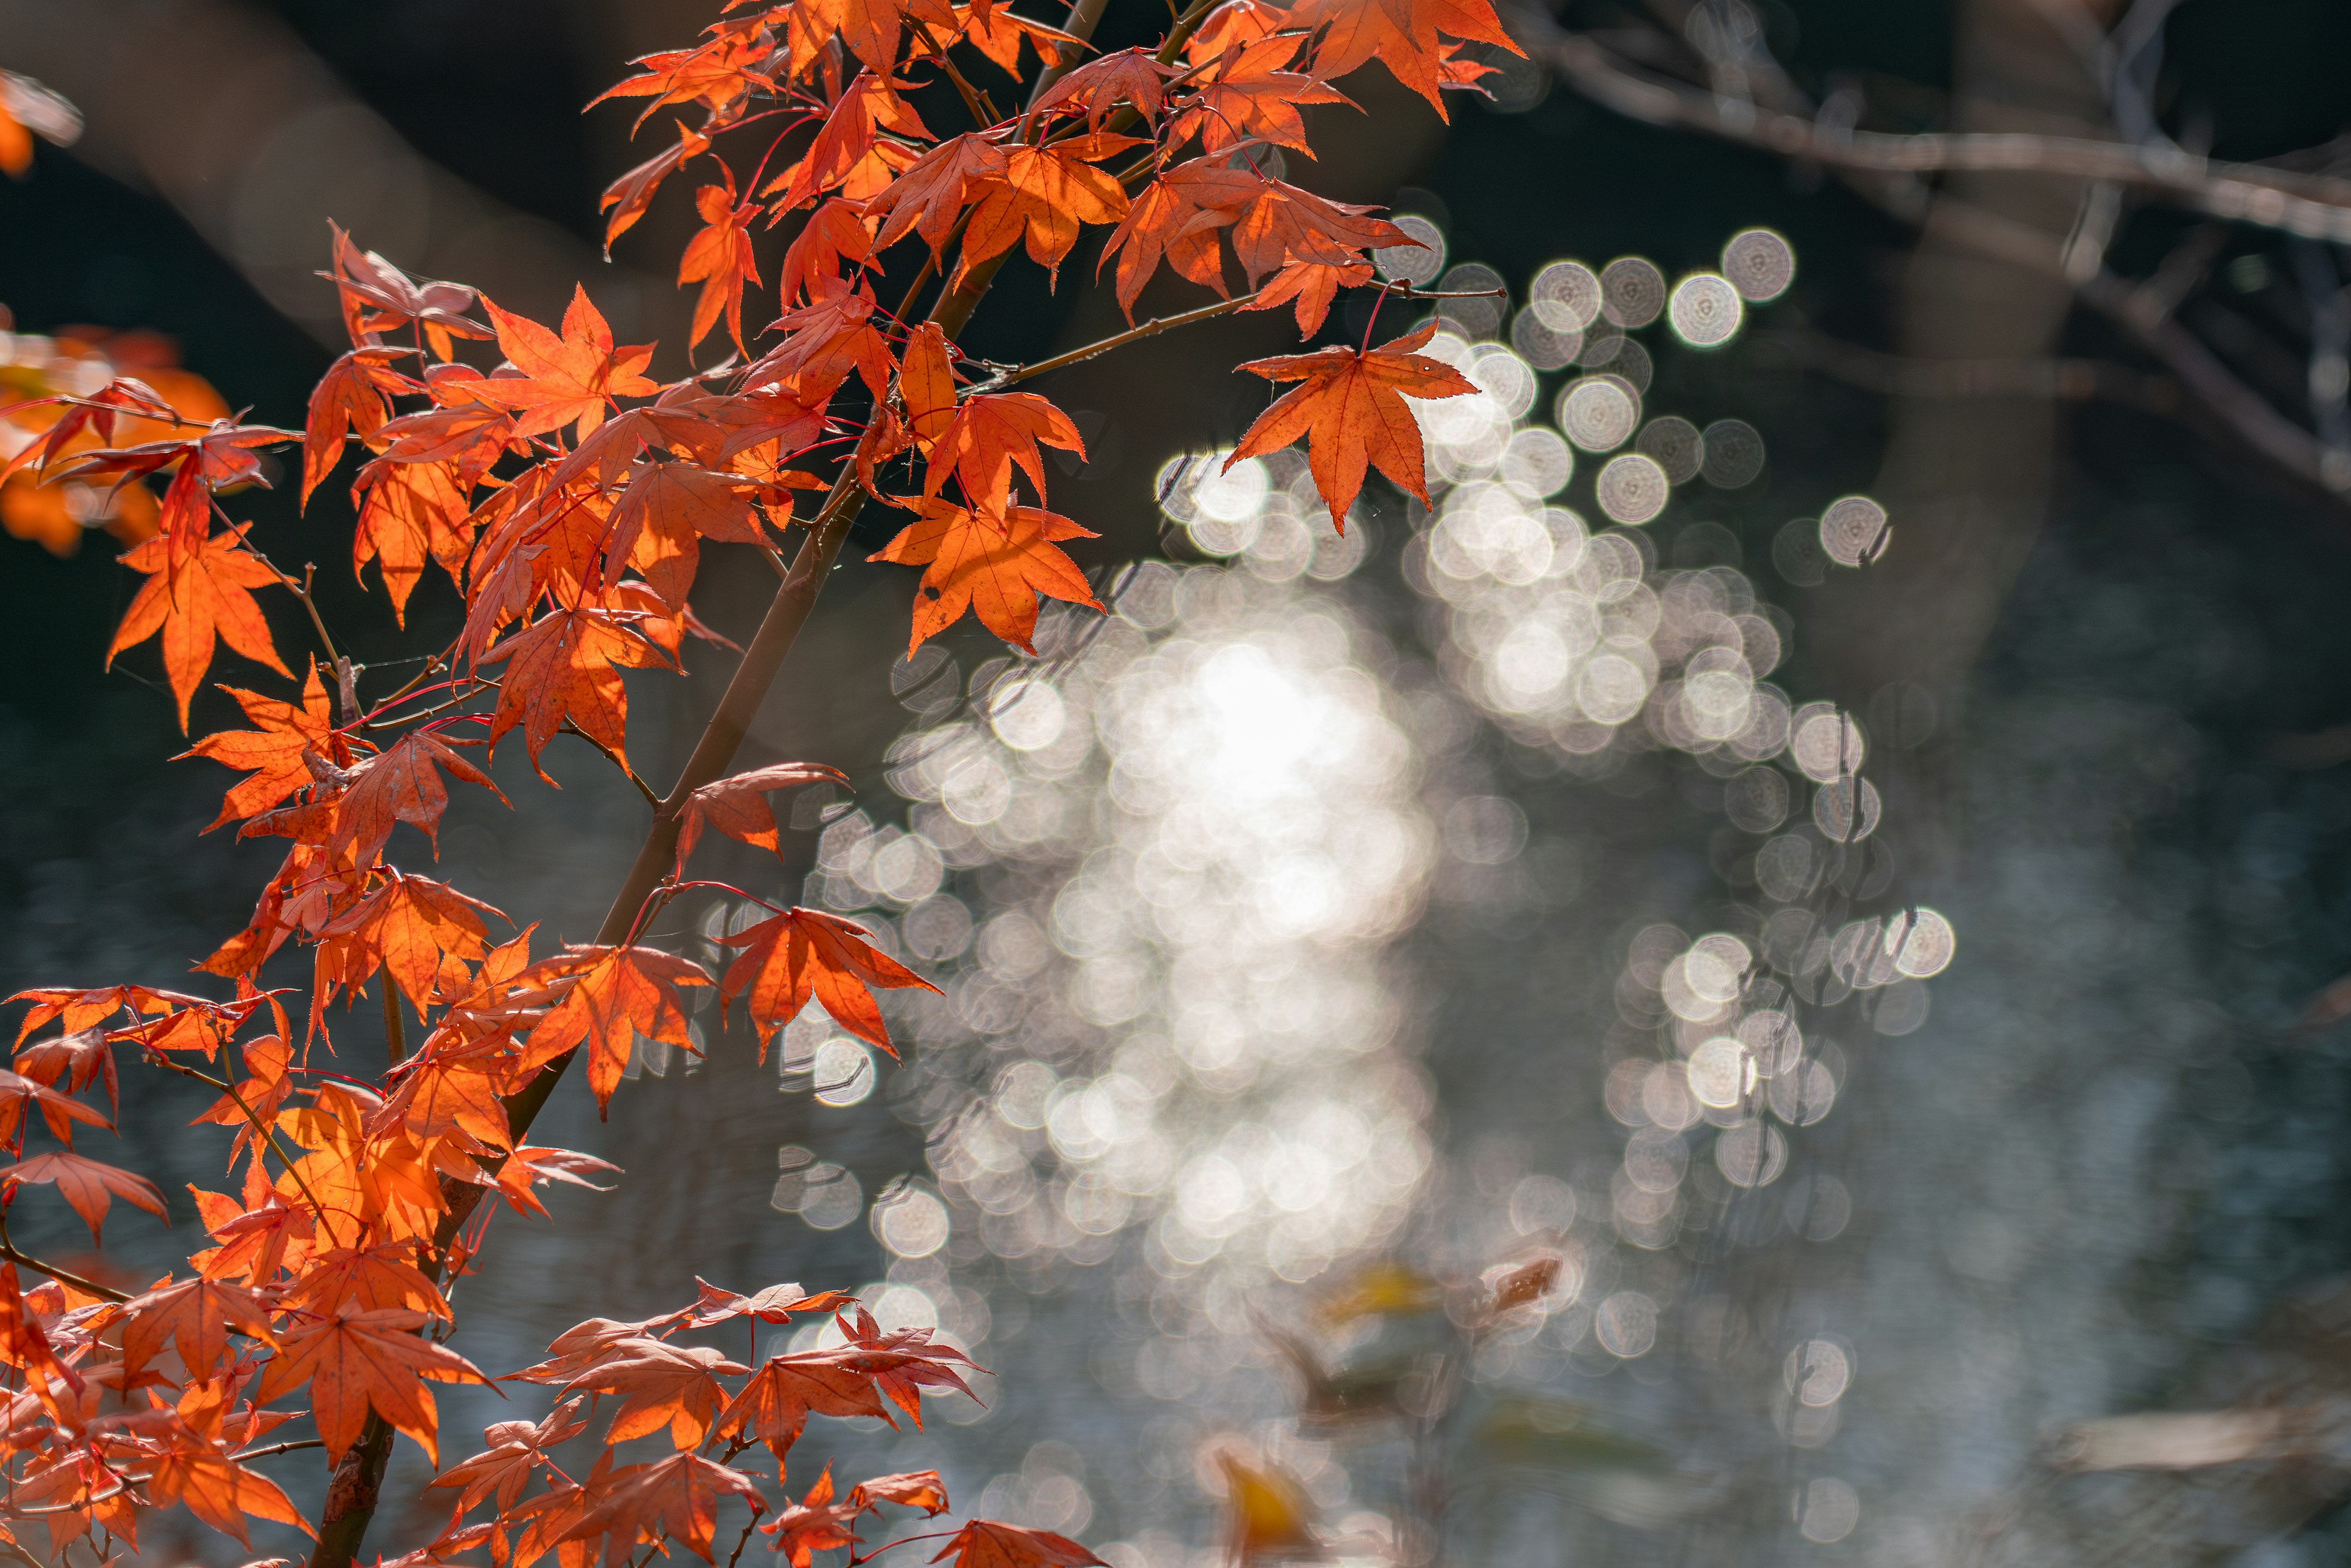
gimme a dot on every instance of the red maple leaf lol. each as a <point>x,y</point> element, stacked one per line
<point>806,952</point>
<point>569,380</point>
<point>995,567</point>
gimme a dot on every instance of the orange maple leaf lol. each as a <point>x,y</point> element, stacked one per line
<point>566,666</point>
<point>1353,411</point>
<point>737,805</point>
<point>370,1278</point>
<point>349,397</point>
<point>421,931</point>
<point>677,1498</point>
<point>620,993</point>
<point>569,380</point>
<point>775,1405</point>
<point>400,784</point>
<point>806,952</point>
<point>776,1305</point>
<point>1401,35</point>
<point>627,197</point>
<point>1096,88</point>
<point>194,1469</point>
<point>914,1488</point>
<point>82,1058</point>
<point>411,513</point>
<point>815,1523</point>
<point>988,435</point>
<point>209,595</point>
<point>872,28</point>
<point>357,1360</point>
<point>1247,93</point>
<point>273,749</point>
<point>988,1544</point>
<point>870,105</point>
<point>197,1317</point>
<point>661,1384</point>
<point>1045,193</point>
<point>834,233</point>
<point>715,74</point>
<point>931,193</point>
<point>90,1187</point>
<point>720,259</point>
<point>516,1449</point>
<point>993,567</point>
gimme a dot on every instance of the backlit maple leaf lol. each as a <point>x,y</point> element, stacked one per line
<point>400,784</point>
<point>517,1450</point>
<point>1095,90</point>
<point>815,1523</point>
<point>869,105</point>
<point>660,1385</point>
<point>569,380</point>
<point>620,993</point>
<point>737,805</point>
<point>195,1317</point>
<point>774,1407</point>
<point>1352,412</point>
<point>720,259</point>
<point>1401,35</point>
<point>804,952</point>
<point>272,749</point>
<point>193,1470</point>
<point>565,668</point>
<point>88,1185</point>
<point>211,594</point>
<point>350,397</point>
<point>996,569</point>
<point>1246,94</point>
<point>411,513</point>
<point>377,295</point>
<point>1044,194</point>
<point>421,931</point>
<point>677,1499</point>
<point>361,1360</point>
<point>988,434</point>
<point>990,1543</point>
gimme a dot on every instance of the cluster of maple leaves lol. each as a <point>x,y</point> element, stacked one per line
<point>568,496</point>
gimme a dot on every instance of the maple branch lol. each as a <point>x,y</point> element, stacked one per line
<point>395,1036</point>
<point>63,1276</point>
<point>279,1448</point>
<point>2312,205</point>
<point>1015,374</point>
<point>749,1525</point>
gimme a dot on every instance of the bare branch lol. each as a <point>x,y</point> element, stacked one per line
<point>2315,206</point>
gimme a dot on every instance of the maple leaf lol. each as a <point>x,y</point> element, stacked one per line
<point>737,805</point>
<point>224,456</point>
<point>193,1470</point>
<point>677,1498</point>
<point>1044,194</point>
<point>349,397</point>
<point>88,1185</point>
<point>1401,35</point>
<point>569,380</point>
<point>869,105</point>
<point>927,385</point>
<point>720,258</point>
<point>355,1361</point>
<point>931,193</point>
<point>872,28</point>
<point>377,295</point>
<point>400,784</point>
<point>915,1489</point>
<point>195,1316</point>
<point>775,1405</point>
<point>1236,21</point>
<point>993,567</point>
<point>59,1111</point>
<point>816,1523</point>
<point>1279,222</point>
<point>776,1305</point>
<point>25,1346</point>
<point>986,436</point>
<point>1246,94</point>
<point>565,668</point>
<point>804,952</point>
<point>82,1057</point>
<point>619,994</point>
<point>372,1279</point>
<point>583,1345</point>
<point>516,1449</point>
<point>411,513</point>
<point>988,1544</point>
<point>255,1238</point>
<point>1311,281</point>
<point>627,197</point>
<point>902,1363</point>
<point>1176,217</point>
<point>834,233</point>
<point>1096,88</point>
<point>663,513</point>
<point>272,751</point>
<point>423,932</point>
<point>1353,411</point>
<point>209,595</point>
<point>662,1385</point>
<point>125,397</point>
<point>827,341</point>
<point>990,27</point>
<point>715,74</point>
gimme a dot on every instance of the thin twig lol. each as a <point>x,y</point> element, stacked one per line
<point>616,759</point>
<point>279,1448</point>
<point>2314,206</point>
